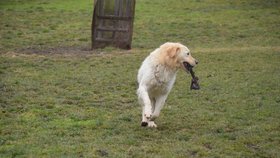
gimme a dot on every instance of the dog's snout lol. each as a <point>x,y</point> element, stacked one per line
<point>196,62</point>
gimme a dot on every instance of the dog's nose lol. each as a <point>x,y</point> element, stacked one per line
<point>196,62</point>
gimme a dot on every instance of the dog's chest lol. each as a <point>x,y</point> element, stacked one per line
<point>163,79</point>
<point>163,74</point>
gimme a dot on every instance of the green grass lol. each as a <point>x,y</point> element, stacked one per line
<point>75,103</point>
<point>43,24</point>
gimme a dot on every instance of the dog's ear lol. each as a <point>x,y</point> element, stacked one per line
<point>173,51</point>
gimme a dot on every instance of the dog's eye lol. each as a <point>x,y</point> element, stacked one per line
<point>188,53</point>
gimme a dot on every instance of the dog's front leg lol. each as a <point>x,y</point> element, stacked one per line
<point>146,105</point>
<point>146,115</point>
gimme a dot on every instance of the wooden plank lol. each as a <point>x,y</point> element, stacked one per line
<point>115,23</point>
<point>128,8</point>
<point>120,8</point>
<point>109,40</point>
<point>101,6</point>
<point>132,11</point>
<point>112,29</point>
<point>93,24</point>
<point>100,11</point>
<point>113,17</point>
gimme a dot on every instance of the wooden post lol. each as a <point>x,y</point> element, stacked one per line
<point>112,23</point>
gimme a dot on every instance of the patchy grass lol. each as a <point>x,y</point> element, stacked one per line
<point>43,24</point>
<point>207,23</point>
<point>84,105</point>
<point>40,24</point>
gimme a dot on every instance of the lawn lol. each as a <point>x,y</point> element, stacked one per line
<point>59,99</point>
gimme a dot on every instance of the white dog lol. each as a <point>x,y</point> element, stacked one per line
<point>156,77</point>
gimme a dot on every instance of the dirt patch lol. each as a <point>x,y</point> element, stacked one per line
<point>60,50</point>
<point>68,51</point>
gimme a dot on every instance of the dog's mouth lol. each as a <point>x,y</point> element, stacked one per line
<point>187,66</point>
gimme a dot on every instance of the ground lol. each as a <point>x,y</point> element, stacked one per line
<point>61,99</point>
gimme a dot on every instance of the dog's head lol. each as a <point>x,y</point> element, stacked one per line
<point>176,55</point>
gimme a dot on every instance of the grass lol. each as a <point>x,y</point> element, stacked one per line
<point>43,24</point>
<point>83,103</point>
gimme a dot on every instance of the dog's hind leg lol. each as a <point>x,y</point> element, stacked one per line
<point>160,100</point>
<point>153,103</point>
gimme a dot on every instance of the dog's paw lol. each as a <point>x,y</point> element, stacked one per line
<point>148,115</point>
<point>152,124</point>
<point>144,124</point>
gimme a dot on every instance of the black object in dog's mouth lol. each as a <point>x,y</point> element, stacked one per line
<point>187,66</point>
<point>194,82</point>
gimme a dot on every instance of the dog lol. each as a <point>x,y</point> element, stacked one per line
<point>157,75</point>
